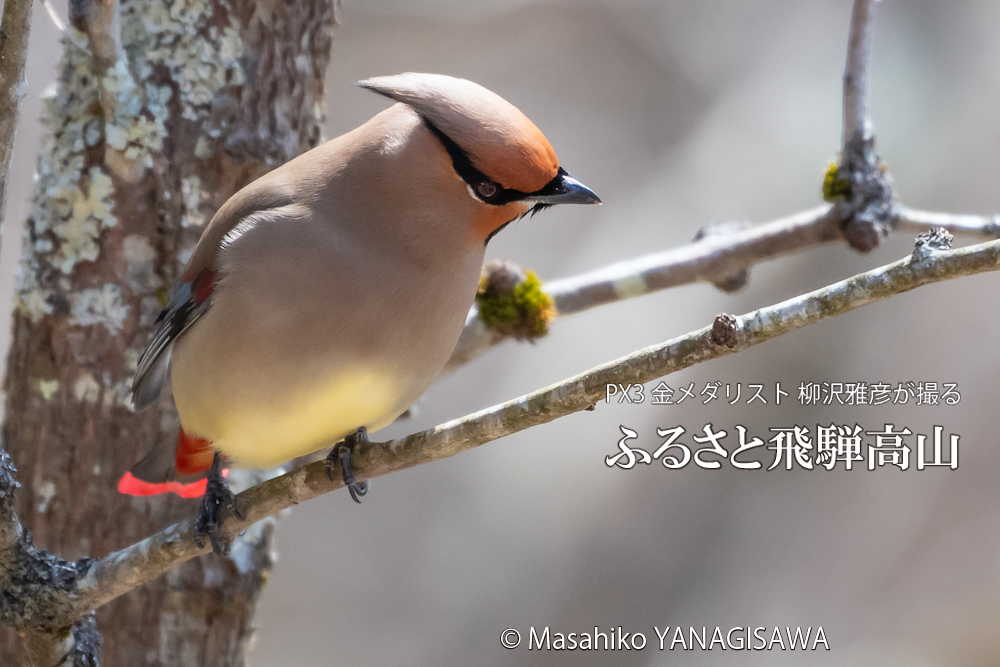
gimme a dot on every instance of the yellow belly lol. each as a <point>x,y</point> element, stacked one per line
<point>264,435</point>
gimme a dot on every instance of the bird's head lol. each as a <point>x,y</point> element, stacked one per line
<point>508,166</point>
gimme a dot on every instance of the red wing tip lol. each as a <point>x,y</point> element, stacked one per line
<point>131,485</point>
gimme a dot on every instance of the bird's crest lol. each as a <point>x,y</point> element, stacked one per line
<point>498,139</point>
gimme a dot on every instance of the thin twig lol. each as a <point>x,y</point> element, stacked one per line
<point>133,566</point>
<point>859,48</point>
<point>970,226</point>
<point>715,257</point>
<point>14,30</point>
<point>868,208</point>
<point>710,259</point>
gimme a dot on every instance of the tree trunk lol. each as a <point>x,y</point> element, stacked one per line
<point>162,110</point>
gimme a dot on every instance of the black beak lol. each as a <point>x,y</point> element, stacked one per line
<point>564,189</point>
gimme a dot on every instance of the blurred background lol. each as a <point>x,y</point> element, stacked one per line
<point>679,114</point>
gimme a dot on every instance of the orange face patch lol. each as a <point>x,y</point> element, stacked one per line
<point>526,164</point>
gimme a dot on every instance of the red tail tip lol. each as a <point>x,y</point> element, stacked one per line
<point>131,485</point>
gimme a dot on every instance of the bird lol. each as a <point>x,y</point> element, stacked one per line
<point>323,298</point>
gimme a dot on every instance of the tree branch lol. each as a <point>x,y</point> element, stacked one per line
<point>33,584</point>
<point>715,258</point>
<point>859,49</point>
<point>133,566</point>
<point>865,197</point>
<point>972,226</point>
<point>14,31</point>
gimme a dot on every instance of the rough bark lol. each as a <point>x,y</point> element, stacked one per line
<point>162,111</point>
<point>14,30</point>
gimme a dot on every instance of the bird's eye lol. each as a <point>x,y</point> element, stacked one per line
<point>486,189</point>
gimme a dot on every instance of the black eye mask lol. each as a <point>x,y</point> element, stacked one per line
<point>480,183</point>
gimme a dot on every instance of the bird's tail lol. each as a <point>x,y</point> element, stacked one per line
<point>166,469</point>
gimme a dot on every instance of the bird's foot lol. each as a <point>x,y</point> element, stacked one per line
<point>218,500</point>
<point>342,452</point>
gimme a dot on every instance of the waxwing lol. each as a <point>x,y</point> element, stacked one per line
<point>324,297</point>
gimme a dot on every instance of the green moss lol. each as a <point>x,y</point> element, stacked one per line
<point>521,311</point>
<point>835,187</point>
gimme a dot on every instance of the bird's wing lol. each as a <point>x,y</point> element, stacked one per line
<point>191,296</point>
<point>182,310</point>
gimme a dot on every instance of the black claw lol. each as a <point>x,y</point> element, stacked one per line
<point>217,502</point>
<point>342,452</point>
